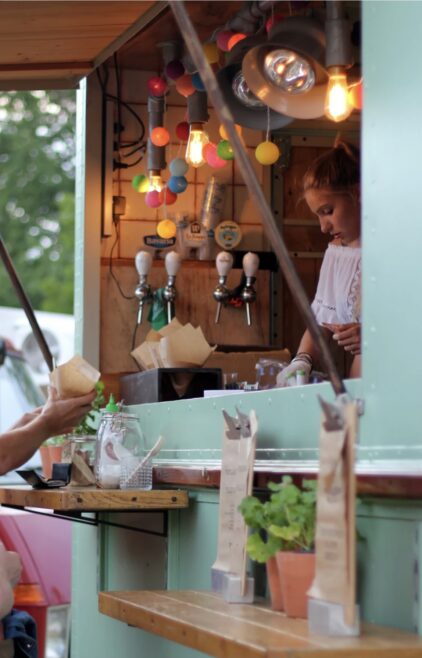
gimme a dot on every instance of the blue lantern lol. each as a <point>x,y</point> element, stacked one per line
<point>177,184</point>
<point>178,167</point>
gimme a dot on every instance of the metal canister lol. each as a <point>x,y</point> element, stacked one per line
<point>212,203</point>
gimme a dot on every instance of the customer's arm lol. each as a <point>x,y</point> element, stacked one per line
<point>18,444</point>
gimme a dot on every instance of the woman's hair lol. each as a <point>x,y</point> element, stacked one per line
<point>337,169</point>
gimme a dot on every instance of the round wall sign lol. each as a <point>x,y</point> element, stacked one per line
<point>228,234</point>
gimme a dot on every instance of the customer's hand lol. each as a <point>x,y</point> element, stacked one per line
<point>61,416</point>
<point>347,336</point>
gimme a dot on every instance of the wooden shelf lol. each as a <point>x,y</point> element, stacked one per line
<point>203,621</point>
<point>93,500</point>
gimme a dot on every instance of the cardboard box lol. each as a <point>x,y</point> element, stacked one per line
<point>244,362</point>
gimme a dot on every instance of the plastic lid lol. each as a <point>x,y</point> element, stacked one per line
<point>112,406</point>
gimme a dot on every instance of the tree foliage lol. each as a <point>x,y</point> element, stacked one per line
<point>37,173</point>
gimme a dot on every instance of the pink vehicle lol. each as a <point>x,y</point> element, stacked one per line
<point>42,541</point>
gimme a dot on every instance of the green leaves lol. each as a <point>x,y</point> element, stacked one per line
<point>85,428</point>
<point>284,522</point>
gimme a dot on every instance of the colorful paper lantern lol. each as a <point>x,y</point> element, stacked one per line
<point>223,133</point>
<point>235,39</point>
<point>182,131</point>
<point>212,158</point>
<point>159,136</point>
<point>223,39</point>
<point>184,85</point>
<point>177,184</point>
<point>211,52</point>
<point>267,153</point>
<point>174,69</point>
<point>225,150</point>
<point>166,229</point>
<point>178,167</point>
<point>157,86</point>
<point>152,199</point>
<point>167,197</point>
<point>140,183</point>
<point>197,82</point>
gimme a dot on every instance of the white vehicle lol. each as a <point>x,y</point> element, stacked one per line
<point>59,332</point>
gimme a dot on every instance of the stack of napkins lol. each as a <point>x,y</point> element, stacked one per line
<point>174,346</point>
<point>74,378</point>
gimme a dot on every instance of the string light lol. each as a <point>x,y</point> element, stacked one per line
<point>198,138</point>
<point>337,105</point>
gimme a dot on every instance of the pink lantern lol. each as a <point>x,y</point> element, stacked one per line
<point>152,199</point>
<point>212,158</point>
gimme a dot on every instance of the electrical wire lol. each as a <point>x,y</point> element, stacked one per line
<point>110,265</point>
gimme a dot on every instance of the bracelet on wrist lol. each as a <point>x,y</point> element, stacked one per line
<point>304,356</point>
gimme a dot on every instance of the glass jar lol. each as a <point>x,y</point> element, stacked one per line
<point>120,440</point>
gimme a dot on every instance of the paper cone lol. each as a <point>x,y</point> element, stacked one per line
<point>74,378</point>
<point>185,348</point>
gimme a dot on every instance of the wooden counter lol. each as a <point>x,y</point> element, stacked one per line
<point>93,500</point>
<point>203,621</point>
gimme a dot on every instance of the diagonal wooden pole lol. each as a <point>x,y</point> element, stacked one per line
<point>299,295</point>
<point>26,305</point>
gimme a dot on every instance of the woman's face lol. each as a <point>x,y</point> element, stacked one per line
<point>338,214</point>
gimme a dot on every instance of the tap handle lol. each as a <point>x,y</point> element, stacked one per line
<point>143,262</point>
<point>224,263</point>
<point>250,264</point>
<point>172,262</point>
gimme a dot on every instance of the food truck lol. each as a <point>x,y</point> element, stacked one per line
<point>141,562</point>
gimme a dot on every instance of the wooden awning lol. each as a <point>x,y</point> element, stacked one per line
<point>54,44</point>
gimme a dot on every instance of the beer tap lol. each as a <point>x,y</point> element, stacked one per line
<point>250,266</point>
<point>143,291</point>
<point>224,263</point>
<point>172,263</point>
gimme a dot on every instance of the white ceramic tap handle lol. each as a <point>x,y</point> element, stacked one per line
<point>250,264</point>
<point>173,261</point>
<point>143,262</point>
<point>224,263</point>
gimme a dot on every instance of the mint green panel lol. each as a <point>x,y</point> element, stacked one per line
<point>388,585</point>
<point>111,558</point>
<point>289,420</point>
<point>392,222</point>
<point>193,542</point>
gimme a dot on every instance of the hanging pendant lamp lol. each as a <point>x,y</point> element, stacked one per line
<point>247,110</point>
<point>287,72</point>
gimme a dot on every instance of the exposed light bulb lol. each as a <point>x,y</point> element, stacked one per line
<point>337,104</point>
<point>243,93</point>
<point>198,138</point>
<point>289,71</point>
<point>155,182</point>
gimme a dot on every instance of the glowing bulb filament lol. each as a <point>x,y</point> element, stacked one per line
<point>155,182</point>
<point>337,105</point>
<point>198,138</point>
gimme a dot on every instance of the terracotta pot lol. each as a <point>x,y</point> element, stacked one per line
<point>274,584</point>
<point>46,461</point>
<point>50,455</point>
<point>297,571</point>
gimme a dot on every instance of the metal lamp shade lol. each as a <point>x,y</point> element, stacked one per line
<point>306,37</point>
<point>255,118</point>
<point>248,117</point>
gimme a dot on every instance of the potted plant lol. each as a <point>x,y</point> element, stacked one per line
<point>283,537</point>
<point>52,449</point>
